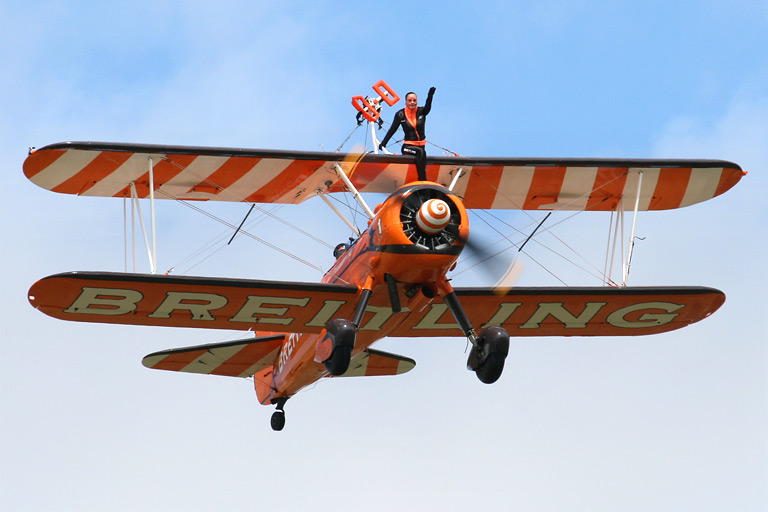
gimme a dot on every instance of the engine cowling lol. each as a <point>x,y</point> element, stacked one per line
<point>419,233</point>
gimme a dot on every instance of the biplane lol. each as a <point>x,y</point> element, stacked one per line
<point>390,280</point>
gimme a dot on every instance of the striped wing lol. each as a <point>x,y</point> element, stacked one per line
<point>268,176</point>
<point>242,358</point>
<point>369,363</point>
<point>245,358</point>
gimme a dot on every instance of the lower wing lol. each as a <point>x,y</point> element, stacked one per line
<point>286,307</point>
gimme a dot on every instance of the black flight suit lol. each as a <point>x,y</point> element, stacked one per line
<point>415,139</point>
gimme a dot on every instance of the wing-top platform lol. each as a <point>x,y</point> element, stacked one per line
<point>273,176</point>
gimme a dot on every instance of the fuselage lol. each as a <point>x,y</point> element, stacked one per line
<point>393,244</point>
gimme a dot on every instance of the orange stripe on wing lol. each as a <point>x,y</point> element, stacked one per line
<point>40,160</point>
<point>378,365</point>
<point>245,358</point>
<point>728,179</point>
<point>608,188</point>
<point>367,172</point>
<point>483,186</point>
<point>670,188</point>
<point>167,168</point>
<point>545,187</point>
<point>177,362</point>
<point>230,171</point>
<point>289,178</point>
<point>99,168</point>
<point>162,172</point>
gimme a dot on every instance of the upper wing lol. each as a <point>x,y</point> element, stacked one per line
<point>269,176</point>
<point>283,307</point>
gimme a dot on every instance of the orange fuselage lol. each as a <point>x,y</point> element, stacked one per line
<point>391,246</point>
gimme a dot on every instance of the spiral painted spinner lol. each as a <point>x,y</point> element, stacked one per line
<point>433,216</point>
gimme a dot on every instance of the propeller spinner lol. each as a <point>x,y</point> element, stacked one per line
<point>433,216</point>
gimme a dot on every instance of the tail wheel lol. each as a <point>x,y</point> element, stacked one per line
<point>278,420</point>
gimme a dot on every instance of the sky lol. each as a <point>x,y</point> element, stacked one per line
<point>671,422</point>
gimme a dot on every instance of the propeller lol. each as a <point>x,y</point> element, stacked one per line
<point>431,219</point>
<point>503,267</point>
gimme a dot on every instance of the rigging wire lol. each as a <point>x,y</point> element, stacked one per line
<point>290,225</point>
<point>348,137</point>
<point>504,249</point>
<point>246,233</point>
<point>597,272</point>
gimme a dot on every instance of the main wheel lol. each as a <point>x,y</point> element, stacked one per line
<point>338,363</point>
<point>278,420</point>
<point>490,371</point>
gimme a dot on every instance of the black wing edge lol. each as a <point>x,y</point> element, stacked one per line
<point>373,158</point>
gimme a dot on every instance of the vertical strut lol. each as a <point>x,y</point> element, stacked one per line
<point>606,269</point>
<point>373,137</point>
<point>135,196</point>
<point>365,296</point>
<point>133,225</point>
<point>459,174</point>
<point>125,232</point>
<point>615,240</point>
<point>394,298</point>
<point>632,231</point>
<point>343,175</point>
<point>153,254</point>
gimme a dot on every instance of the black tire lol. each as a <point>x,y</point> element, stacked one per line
<point>490,371</point>
<point>338,363</point>
<point>278,420</point>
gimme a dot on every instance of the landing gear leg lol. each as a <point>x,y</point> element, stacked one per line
<point>342,333</point>
<point>489,350</point>
<point>278,417</point>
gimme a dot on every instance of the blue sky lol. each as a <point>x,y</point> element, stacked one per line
<point>670,422</point>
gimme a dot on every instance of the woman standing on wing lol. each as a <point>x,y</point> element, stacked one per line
<point>412,118</point>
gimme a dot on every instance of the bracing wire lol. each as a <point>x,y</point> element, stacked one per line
<point>245,233</point>
<point>595,272</point>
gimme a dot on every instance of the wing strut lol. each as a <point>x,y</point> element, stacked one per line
<point>343,176</point>
<point>632,232</point>
<point>618,239</point>
<point>153,256</point>
<point>137,204</point>
<point>459,174</point>
<point>321,194</point>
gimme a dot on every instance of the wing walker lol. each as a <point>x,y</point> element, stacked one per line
<point>391,279</point>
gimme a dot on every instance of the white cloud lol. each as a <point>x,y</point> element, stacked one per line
<point>741,135</point>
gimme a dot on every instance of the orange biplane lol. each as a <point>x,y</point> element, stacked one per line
<point>390,280</point>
